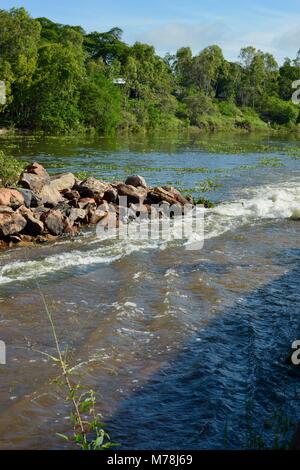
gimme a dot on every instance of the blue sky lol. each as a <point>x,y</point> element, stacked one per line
<point>273,26</point>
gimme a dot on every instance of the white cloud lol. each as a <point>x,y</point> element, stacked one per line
<point>172,36</point>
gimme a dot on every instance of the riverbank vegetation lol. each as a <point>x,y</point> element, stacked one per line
<point>60,79</point>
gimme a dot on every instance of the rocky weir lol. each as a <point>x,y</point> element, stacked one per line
<point>42,208</point>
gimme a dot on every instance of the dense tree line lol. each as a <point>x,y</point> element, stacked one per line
<point>61,79</point>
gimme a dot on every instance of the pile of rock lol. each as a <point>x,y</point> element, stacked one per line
<point>45,207</point>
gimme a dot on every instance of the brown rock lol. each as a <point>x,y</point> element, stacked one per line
<point>71,195</point>
<point>171,196</point>
<point>50,196</point>
<point>34,177</point>
<point>34,226</point>
<point>71,229</point>
<point>54,222</point>
<point>99,214</point>
<point>138,211</point>
<point>11,198</point>
<point>176,194</point>
<point>11,224</point>
<point>37,169</point>
<point>84,202</point>
<point>136,181</point>
<point>93,188</point>
<point>111,195</point>
<point>76,215</point>
<point>5,209</point>
<point>31,199</point>
<point>63,182</point>
<point>134,195</point>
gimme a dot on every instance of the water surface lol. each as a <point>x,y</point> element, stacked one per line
<point>186,349</point>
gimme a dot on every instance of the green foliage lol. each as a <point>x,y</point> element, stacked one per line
<point>10,170</point>
<point>99,101</point>
<point>278,111</point>
<point>59,79</point>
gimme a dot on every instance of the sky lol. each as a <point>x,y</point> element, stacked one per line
<point>270,25</point>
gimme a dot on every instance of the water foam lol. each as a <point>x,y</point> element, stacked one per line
<point>267,202</point>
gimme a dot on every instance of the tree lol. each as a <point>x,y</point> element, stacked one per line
<point>55,91</point>
<point>99,101</point>
<point>19,41</point>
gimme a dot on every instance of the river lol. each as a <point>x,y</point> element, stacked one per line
<point>185,349</point>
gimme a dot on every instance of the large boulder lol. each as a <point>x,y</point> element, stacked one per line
<point>34,226</point>
<point>111,195</point>
<point>93,188</point>
<point>99,214</point>
<point>136,181</point>
<point>30,198</point>
<point>87,202</point>
<point>50,196</point>
<point>76,215</point>
<point>54,222</point>
<point>167,194</point>
<point>133,195</point>
<point>11,198</point>
<point>63,182</point>
<point>177,195</point>
<point>72,196</point>
<point>6,210</point>
<point>11,223</point>
<point>37,169</point>
<point>34,177</point>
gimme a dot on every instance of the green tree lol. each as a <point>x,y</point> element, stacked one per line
<point>19,42</point>
<point>100,101</point>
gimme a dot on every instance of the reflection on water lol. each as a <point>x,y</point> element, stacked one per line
<point>179,344</point>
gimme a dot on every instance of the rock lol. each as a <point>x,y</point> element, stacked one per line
<point>71,229</point>
<point>14,239</point>
<point>100,213</point>
<point>37,169</point>
<point>71,195</point>
<point>34,177</point>
<point>11,198</point>
<point>11,224</point>
<point>138,211</point>
<point>54,222</point>
<point>33,182</point>
<point>93,188</point>
<point>111,195</point>
<point>171,196</point>
<point>176,194</point>
<point>6,209</point>
<point>34,226</point>
<point>110,221</point>
<point>76,215</point>
<point>63,182</point>
<point>50,196</point>
<point>30,198</point>
<point>136,181</point>
<point>134,195</point>
<point>84,202</point>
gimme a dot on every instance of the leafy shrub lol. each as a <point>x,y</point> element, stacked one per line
<point>10,170</point>
<point>279,111</point>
